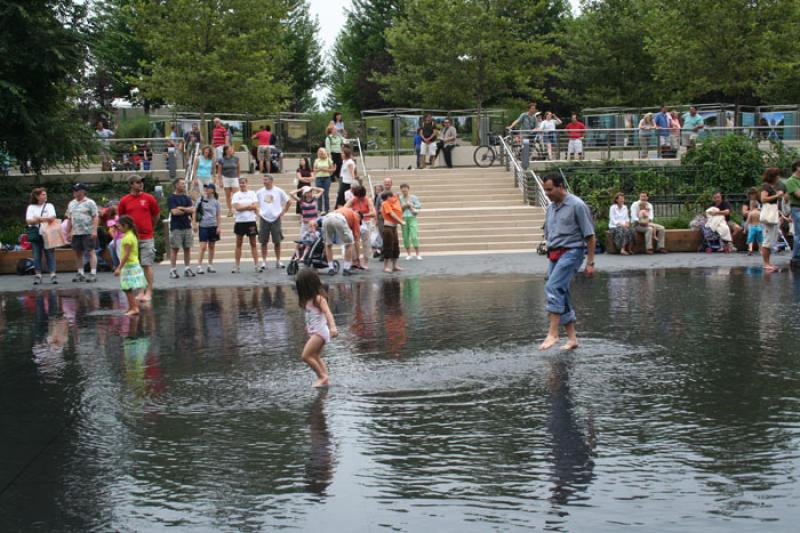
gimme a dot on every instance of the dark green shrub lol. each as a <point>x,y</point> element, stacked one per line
<point>730,163</point>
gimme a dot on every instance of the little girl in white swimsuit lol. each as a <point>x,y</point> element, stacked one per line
<point>319,322</point>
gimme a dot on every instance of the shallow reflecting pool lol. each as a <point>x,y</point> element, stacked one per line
<point>680,412</point>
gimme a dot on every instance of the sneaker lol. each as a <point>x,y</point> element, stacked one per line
<point>408,258</point>
<point>278,264</point>
<point>235,270</point>
<point>419,258</point>
<point>91,278</point>
<point>188,272</point>
<point>331,272</point>
<point>54,279</point>
<point>78,277</point>
<point>37,279</point>
<point>211,270</point>
<point>261,268</point>
<point>200,269</point>
<point>347,272</point>
<point>173,274</point>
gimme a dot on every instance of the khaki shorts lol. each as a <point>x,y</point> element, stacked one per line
<point>335,225</point>
<point>180,238</point>
<point>267,230</point>
<point>264,152</point>
<point>230,183</point>
<point>147,252</point>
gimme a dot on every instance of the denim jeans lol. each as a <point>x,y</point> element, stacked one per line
<point>50,255</point>
<point>796,243</point>
<point>325,185</point>
<point>559,279</point>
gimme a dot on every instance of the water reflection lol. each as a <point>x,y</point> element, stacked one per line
<point>320,464</point>
<point>443,416</point>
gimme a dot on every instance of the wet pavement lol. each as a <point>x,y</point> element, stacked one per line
<point>680,412</point>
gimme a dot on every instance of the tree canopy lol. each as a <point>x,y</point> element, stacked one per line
<point>42,58</point>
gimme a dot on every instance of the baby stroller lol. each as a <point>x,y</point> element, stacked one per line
<point>314,259</point>
<point>711,241</point>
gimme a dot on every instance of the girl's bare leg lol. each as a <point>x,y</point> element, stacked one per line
<point>312,356</point>
<point>133,307</point>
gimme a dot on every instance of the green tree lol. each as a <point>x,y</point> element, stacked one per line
<point>606,60</point>
<point>721,48</point>
<point>304,66</point>
<point>468,60</point>
<point>215,55</point>
<point>42,58</point>
<point>360,52</point>
<point>116,54</point>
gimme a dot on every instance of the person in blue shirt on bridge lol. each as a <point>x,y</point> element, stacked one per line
<point>570,237</point>
<point>663,122</point>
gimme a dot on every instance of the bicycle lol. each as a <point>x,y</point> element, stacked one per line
<point>485,154</point>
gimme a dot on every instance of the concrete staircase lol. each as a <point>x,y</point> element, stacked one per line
<point>463,211</point>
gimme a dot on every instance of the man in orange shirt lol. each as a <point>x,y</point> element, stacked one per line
<point>392,217</point>
<point>344,226</point>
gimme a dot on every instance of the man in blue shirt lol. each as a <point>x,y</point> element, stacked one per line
<point>570,236</point>
<point>662,124</point>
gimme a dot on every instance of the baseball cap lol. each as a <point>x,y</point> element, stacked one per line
<point>210,186</point>
<point>133,178</point>
<point>80,187</point>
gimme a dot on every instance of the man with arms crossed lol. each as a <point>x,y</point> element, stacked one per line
<point>569,233</point>
<point>144,211</point>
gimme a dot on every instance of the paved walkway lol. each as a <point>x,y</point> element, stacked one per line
<point>458,265</point>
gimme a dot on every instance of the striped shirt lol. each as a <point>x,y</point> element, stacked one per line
<point>308,210</point>
<point>218,136</point>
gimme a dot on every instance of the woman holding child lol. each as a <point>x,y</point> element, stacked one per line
<point>619,224</point>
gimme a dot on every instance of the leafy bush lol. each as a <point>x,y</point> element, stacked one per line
<point>135,127</point>
<point>730,163</point>
<point>9,233</point>
<point>782,156</point>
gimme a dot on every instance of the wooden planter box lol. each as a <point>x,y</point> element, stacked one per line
<point>65,260</point>
<point>677,240</point>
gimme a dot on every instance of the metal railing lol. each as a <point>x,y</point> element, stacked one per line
<point>523,178</point>
<point>635,143</point>
<point>356,141</point>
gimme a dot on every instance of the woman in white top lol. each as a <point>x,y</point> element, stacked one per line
<point>646,126</point>
<point>548,127</point>
<point>245,204</point>
<point>348,174</point>
<point>40,214</point>
<point>619,224</point>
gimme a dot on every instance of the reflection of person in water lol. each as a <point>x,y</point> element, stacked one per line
<point>573,466</point>
<point>319,467</point>
<point>141,362</point>
<point>394,321</point>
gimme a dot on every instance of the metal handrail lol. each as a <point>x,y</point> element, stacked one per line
<point>520,175</point>
<point>357,142</point>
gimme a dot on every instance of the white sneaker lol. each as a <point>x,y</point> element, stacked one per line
<point>200,269</point>
<point>173,274</point>
<point>278,264</point>
<point>235,270</point>
<point>408,258</point>
<point>211,270</point>
<point>419,258</point>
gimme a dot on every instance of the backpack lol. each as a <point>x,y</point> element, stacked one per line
<point>25,266</point>
<point>198,212</point>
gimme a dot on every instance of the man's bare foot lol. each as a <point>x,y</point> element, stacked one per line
<point>397,269</point>
<point>770,268</point>
<point>570,345</point>
<point>387,270</point>
<point>132,312</point>
<point>548,343</point>
<point>323,382</point>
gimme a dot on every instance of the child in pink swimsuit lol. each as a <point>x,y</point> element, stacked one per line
<point>319,322</point>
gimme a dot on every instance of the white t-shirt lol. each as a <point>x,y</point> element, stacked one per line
<point>348,168</point>
<point>271,202</point>
<point>548,125</point>
<point>35,210</point>
<point>244,199</point>
<point>636,207</point>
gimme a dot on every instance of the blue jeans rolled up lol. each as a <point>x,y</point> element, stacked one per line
<point>324,183</point>
<point>559,278</point>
